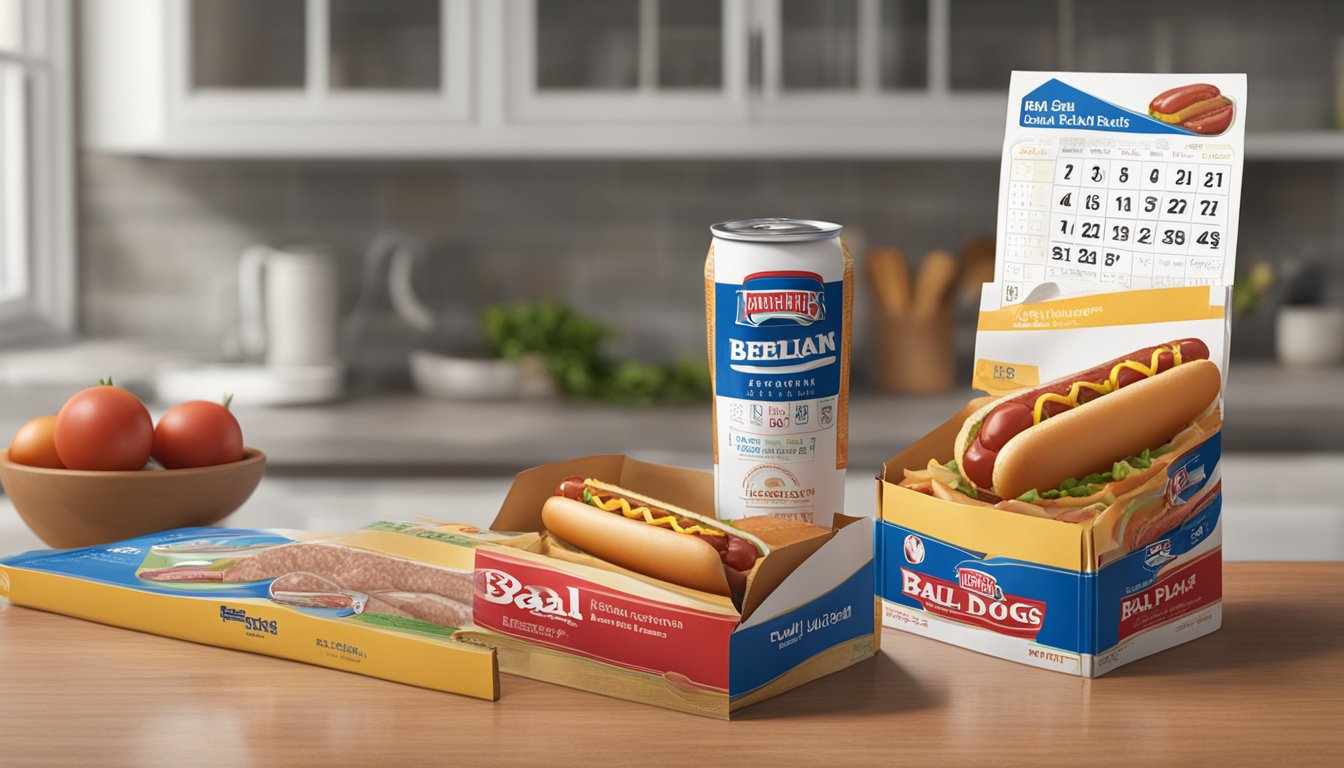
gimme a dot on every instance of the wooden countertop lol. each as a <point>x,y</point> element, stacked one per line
<point>1268,688</point>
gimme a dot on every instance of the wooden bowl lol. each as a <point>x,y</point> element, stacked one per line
<point>70,508</point>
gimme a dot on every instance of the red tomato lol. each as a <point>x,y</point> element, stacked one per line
<point>104,428</point>
<point>35,445</point>
<point>197,434</point>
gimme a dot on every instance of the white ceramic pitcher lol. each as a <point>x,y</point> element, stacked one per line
<point>288,306</point>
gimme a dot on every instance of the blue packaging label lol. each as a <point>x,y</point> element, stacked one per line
<point>760,653</point>
<point>1056,607</point>
<point>778,336</point>
<point>137,562</point>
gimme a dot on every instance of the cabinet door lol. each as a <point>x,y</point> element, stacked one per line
<point>243,61</point>
<point>846,60</point>
<point>627,60</point>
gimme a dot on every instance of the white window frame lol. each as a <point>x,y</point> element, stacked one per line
<point>45,310</point>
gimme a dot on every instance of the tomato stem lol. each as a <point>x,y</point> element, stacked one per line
<point>107,382</point>
<point>228,400</point>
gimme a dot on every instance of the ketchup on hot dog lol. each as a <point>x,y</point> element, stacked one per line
<point>1016,415</point>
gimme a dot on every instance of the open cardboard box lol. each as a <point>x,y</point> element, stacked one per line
<point>568,619</point>
<point>1058,595</point>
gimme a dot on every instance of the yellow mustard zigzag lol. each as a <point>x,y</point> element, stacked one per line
<point>1109,385</point>
<point>669,521</point>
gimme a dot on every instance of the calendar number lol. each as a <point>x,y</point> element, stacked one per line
<point>1092,203</point>
<point>1111,259</point>
<point>1208,207</point>
<point>1146,235</point>
<point>1068,171</point>
<point>1087,256</point>
<point>1176,206</point>
<point>1122,204</point>
<point>1124,174</point>
<point>1119,233</point>
<point>1209,239</point>
<point>1059,253</point>
<point>1173,237</point>
<point>1091,230</point>
<point>1097,175</point>
<point>1154,177</point>
<point>1067,200</point>
<point>1149,203</point>
<point>1183,177</point>
<point>1213,179</point>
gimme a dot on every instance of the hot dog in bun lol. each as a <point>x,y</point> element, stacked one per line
<point>652,537</point>
<point>1073,447</point>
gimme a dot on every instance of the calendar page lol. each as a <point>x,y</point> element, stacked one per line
<point>1119,181</point>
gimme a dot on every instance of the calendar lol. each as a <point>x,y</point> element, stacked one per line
<point>1119,181</point>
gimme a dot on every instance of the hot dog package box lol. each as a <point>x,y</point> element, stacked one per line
<point>1069,520</point>
<point>560,615</point>
<point>448,606</point>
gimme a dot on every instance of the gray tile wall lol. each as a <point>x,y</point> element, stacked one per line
<point>623,240</point>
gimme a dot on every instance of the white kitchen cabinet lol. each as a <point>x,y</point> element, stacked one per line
<point>621,78</point>
<point>244,77</point>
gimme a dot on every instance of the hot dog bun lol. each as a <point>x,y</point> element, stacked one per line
<point>656,552</point>
<point>1123,423</point>
<point>778,533</point>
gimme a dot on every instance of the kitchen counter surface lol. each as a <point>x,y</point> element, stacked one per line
<point>1263,690</point>
<point>1270,410</point>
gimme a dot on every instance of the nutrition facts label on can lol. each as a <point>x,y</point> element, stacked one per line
<point>1119,181</point>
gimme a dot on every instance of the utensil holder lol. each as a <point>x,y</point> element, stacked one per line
<point>914,353</point>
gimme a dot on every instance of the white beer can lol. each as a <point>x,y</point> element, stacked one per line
<point>779,301</point>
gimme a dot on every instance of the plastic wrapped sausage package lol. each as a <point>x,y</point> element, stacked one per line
<point>1071,519</point>
<point>448,607</point>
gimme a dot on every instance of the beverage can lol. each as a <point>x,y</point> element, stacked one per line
<point>779,300</point>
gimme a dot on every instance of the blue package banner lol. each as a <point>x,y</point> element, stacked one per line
<point>1017,598</point>
<point>779,337</point>
<point>126,563</point>
<point>762,653</point>
<point>1056,104</point>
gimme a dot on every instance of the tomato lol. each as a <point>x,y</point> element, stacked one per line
<point>104,428</point>
<point>197,434</point>
<point>35,445</point>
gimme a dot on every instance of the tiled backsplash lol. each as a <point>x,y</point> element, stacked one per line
<point>622,240</point>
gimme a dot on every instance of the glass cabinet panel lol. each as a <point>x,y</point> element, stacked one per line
<point>903,47</point>
<point>385,44</point>
<point>991,38</point>
<point>589,44</point>
<point>690,43</point>
<point>248,43</point>
<point>819,43</point>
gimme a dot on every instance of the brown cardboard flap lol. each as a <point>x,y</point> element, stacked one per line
<point>780,563</point>
<point>935,445</point>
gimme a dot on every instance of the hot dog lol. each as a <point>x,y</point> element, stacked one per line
<point>1068,448</point>
<point>652,537</point>
<point>1199,108</point>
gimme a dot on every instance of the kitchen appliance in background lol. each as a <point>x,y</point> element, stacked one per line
<point>287,334</point>
<point>434,373</point>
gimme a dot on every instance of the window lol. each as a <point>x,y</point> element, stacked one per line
<point>37,263</point>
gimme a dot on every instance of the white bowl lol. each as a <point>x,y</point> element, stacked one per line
<point>468,378</point>
<point>1310,336</point>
